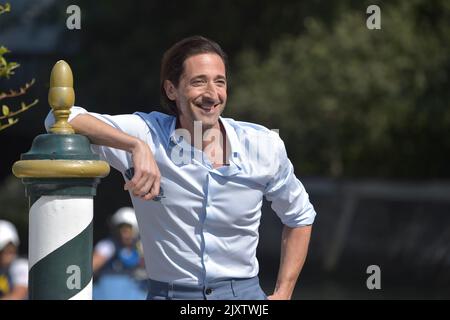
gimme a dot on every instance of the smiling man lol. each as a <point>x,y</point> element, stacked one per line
<point>200,235</point>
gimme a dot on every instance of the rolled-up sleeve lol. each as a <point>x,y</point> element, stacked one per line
<point>290,201</point>
<point>128,123</point>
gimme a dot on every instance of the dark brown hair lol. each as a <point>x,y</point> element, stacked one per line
<point>172,64</point>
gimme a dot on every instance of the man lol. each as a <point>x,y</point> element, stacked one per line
<point>200,229</point>
<point>13,270</point>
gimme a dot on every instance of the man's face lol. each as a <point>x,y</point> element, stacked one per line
<point>202,90</point>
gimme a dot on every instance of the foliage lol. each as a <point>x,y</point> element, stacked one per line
<point>8,117</point>
<point>356,102</point>
<point>5,8</point>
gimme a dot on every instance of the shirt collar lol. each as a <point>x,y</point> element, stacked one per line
<point>171,137</point>
<point>235,144</point>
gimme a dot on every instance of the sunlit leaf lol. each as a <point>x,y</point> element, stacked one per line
<point>5,8</point>
<point>5,110</point>
<point>3,50</point>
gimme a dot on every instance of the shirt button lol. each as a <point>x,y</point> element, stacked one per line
<point>208,291</point>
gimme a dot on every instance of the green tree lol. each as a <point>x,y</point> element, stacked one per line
<point>356,102</point>
<point>8,116</point>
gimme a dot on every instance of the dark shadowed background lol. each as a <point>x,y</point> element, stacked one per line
<point>364,115</point>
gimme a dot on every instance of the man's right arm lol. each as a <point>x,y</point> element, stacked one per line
<point>110,139</point>
<point>146,179</point>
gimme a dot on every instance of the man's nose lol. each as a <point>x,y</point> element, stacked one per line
<point>211,91</point>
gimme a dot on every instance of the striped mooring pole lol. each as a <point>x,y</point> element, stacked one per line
<point>60,174</point>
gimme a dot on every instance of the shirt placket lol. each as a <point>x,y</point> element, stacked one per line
<point>205,229</point>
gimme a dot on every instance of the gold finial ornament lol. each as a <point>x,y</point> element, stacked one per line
<point>61,154</point>
<point>61,97</point>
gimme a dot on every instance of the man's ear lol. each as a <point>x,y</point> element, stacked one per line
<point>170,89</point>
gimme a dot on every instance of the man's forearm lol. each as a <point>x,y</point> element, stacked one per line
<point>103,134</point>
<point>146,179</point>
<point>294,248</point>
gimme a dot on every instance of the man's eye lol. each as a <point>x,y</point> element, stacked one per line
<point>221,83</point>
<point>198,82</point>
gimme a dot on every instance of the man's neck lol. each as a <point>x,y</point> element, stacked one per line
<point>212,140</point>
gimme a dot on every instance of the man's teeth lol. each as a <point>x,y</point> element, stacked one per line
<point>208,107</point>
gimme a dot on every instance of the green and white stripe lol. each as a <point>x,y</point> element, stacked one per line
<point>60,247</point>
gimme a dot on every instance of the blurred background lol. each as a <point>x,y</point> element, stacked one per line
<point>364,114</point>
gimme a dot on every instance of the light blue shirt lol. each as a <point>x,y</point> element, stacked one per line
<point>205,226</point>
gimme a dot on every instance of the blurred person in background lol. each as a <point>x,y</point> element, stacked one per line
<point>118,262</point>
<point>13,270</point>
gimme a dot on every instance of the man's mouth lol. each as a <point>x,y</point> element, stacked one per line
<point>207,106</point>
